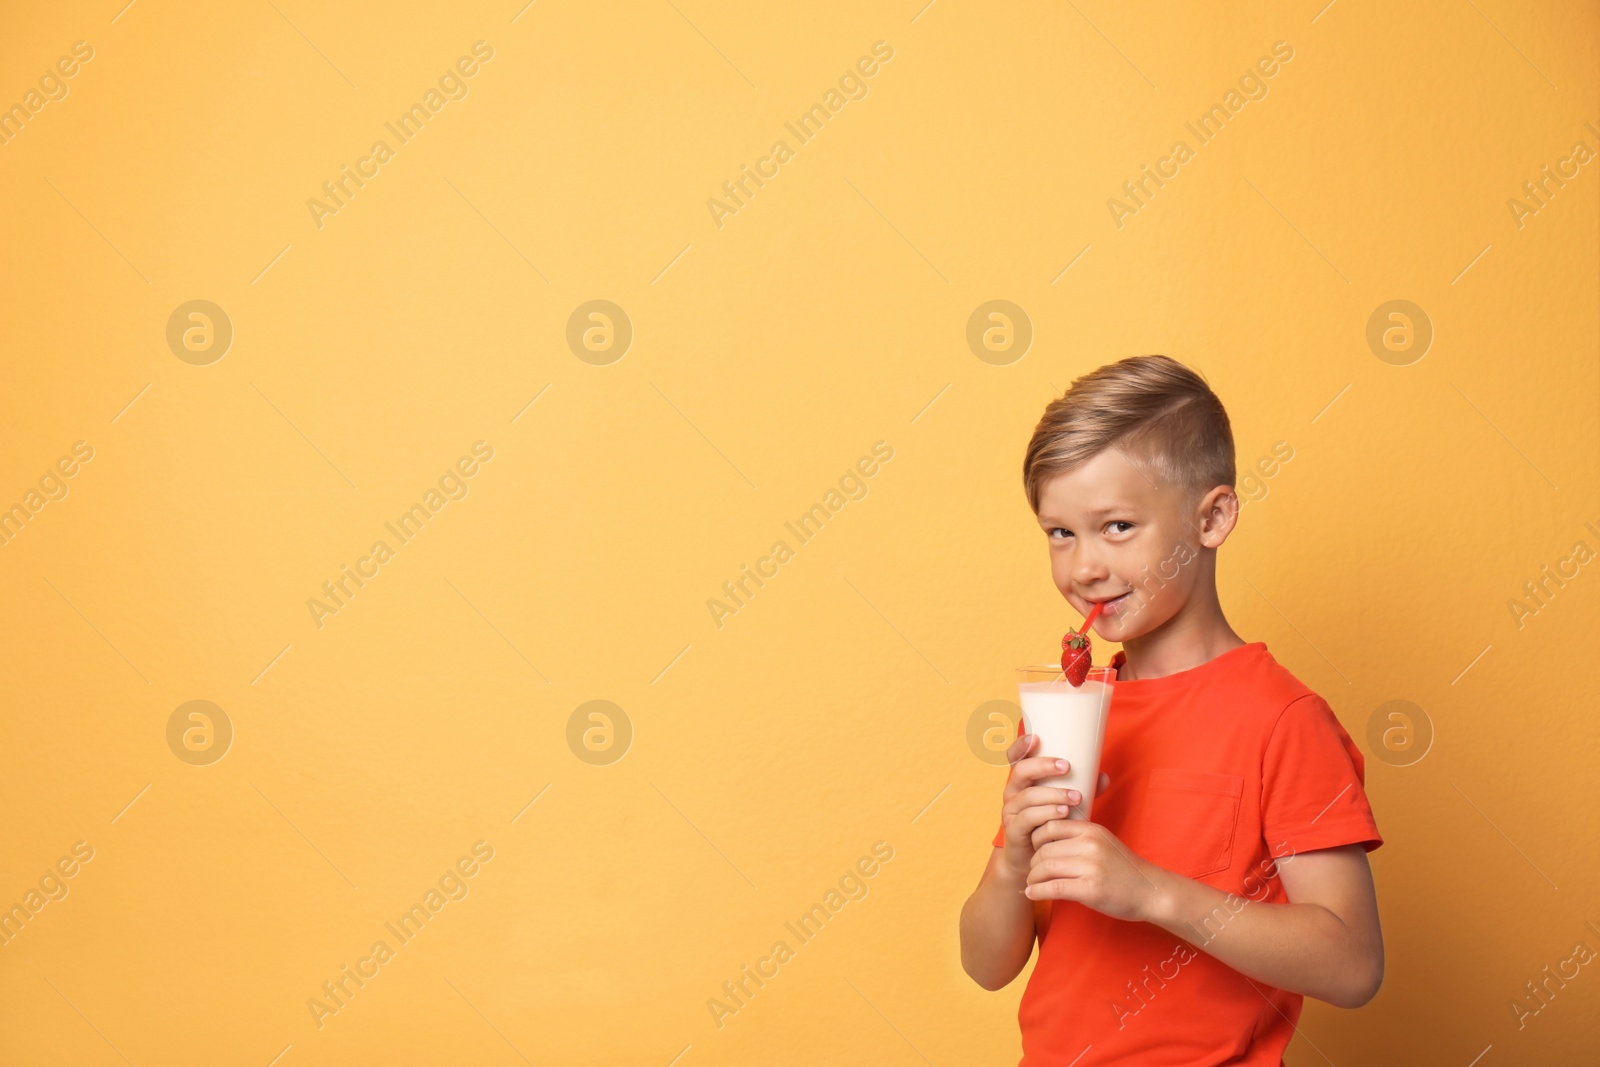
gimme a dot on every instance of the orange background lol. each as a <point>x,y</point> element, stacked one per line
<point>763,757</point>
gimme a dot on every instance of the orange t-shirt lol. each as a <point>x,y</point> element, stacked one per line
<point>1215,773</point>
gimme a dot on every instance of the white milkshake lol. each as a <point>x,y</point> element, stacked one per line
<point>1071,724</point>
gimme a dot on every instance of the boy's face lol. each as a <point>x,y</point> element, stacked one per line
<point>1118,537</point>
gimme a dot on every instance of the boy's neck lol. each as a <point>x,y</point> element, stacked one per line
<point>1197,634</point>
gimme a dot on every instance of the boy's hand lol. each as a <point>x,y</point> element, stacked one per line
<point>1027,806</point>
<point>1084,861</point>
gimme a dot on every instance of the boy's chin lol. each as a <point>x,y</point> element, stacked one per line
<point>1111,631</point>
<point>1122,629</point>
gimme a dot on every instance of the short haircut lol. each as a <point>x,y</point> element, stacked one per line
<point>1159,412</point>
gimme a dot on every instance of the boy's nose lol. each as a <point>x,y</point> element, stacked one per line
<point>1087,570</point>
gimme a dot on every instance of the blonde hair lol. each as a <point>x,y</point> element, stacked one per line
<point>1159,412</point>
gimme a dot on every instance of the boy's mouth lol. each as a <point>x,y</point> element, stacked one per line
<point>1112,604</point>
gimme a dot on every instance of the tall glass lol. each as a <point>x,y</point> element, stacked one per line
<point>1071,724</point>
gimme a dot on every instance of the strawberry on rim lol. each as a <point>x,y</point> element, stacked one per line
<point>1075,650</point>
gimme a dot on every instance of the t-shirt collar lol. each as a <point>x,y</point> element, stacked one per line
<point>1178,679</point>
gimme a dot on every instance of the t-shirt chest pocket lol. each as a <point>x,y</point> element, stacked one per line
<point>1188,820</point>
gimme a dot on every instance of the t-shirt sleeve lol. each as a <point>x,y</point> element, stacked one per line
<point>1000,834</point>
<point>1313,778</point>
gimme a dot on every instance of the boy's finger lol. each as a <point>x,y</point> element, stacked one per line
<point>1041,794</point>
<point>1060,879</point>
<point>1059,828</point>
<point>1027,771</point>
<point>1055,889</point>
<point>1048,832</point>
<point>1028,820</point>
<point>1020,747</point>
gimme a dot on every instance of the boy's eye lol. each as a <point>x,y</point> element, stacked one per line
<point>1058,530</point>
<point>1120,522</point>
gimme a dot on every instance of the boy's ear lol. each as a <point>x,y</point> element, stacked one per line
<point>1216,516</point>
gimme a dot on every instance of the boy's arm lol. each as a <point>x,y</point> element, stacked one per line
<point>998,925</point>
<point>1324,943</point>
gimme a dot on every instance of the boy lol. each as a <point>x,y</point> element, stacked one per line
<point>1224,877</point>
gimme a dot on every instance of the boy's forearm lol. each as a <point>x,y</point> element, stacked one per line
<point>997,929</point>
<point>1301,948</point>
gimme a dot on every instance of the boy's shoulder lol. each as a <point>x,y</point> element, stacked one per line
<point>1278,707</point>
<point>1274,683</point>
